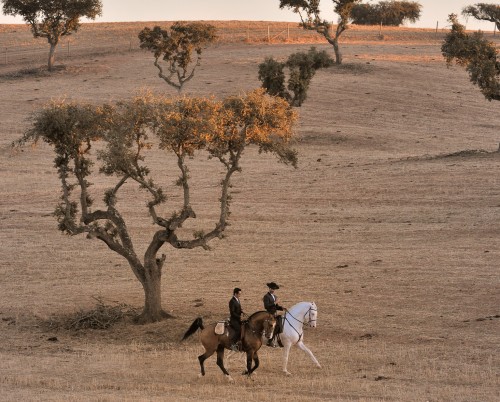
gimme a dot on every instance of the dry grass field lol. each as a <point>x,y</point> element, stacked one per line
<point>391,224</point>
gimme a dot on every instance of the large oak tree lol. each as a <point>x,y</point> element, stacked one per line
<point>133,132</point>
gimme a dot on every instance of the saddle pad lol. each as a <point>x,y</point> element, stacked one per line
<point>219,328</point>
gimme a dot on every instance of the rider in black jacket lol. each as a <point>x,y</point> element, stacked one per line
<point>271,305</point>
<point>235,312</point>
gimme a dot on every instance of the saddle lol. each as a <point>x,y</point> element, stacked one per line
<point>220,327</point>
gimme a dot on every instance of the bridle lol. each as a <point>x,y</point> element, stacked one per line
<point>308,312</point>
<point>267,320</point>
<point>309,321</point>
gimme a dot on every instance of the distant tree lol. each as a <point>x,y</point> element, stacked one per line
<point>272,76</point>
<point>302,68</point>
<point>365,14</point>
<point>175,48</point>
<point>485,12</point>
<point>53,19</point>
<point>477,55</point>
<point>309,13</point>
<point>132,131</point>
<point>391,13</point>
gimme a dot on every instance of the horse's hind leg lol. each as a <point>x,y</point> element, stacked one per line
<point>220,361</point>
<point>202,359</point>
<point>286,352</point>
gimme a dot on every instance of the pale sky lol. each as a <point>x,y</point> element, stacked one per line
<point>433,11</point>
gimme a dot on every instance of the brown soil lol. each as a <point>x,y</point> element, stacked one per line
<point>390,224</point>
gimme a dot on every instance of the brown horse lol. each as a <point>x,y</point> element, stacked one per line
<point>258,324</point>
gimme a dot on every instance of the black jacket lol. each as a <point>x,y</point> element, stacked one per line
<point>270,305</point>
<point>235,310</point>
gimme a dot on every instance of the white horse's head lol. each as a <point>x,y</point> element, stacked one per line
<point>312,315</point>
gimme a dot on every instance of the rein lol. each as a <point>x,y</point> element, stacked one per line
<point>252,329</point>
<point>302,322</point>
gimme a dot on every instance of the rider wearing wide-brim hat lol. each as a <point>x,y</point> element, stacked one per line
<point>271,300</point>
<point>271,305</point>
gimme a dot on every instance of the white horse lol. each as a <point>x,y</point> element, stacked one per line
<point>293,333</point>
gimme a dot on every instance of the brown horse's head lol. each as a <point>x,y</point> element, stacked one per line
<point>269,324</point>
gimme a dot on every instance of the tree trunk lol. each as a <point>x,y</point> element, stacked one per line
<point>338,55</point>
<point>152,311</point>
<point>52,55</point>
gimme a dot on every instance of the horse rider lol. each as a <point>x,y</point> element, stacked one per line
<point>235,312</point>
<point>271,305</point>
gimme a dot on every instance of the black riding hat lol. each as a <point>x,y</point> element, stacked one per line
<point>272,285</point>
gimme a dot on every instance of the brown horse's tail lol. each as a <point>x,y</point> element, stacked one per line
<point>197,324</point>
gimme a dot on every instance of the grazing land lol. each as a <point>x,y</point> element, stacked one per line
<point>391,224</point>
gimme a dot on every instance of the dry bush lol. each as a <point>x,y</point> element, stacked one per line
<point>103,316</point>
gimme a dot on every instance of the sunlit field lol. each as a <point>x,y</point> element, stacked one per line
<point>390,224</point>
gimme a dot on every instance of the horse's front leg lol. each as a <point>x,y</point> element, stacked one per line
<point>249,370</point>
<point>256,361</point>
<point>220,361</point>
<point>286,352</point>
<point>300,345</point>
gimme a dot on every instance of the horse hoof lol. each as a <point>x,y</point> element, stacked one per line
<point>200,375</point>
<point>287,372</point>
<point>319,366</point>
<point>229,378</point>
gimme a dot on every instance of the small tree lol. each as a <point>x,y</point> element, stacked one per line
<point>53,19</point>
<point>309,13</point>
<point>175,48</point>
<point>485,12</point>
<point>477,55</point>
<point>302,68</point>
<point>392,13</point>
<point>130,131</point>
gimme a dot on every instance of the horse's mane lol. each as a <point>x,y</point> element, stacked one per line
<point>257,312</point>
<point>302,302</point>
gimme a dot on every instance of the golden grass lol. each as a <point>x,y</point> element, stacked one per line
<point>390,225</point>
